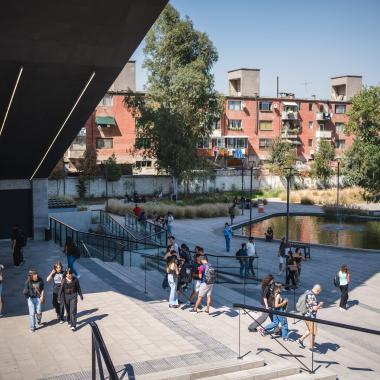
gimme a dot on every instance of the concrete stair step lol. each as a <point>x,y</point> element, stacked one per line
<point>320,375</point>
<point>268,372</point>
<point>205,370</point>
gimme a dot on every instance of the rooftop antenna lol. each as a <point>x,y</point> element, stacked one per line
<point>306,84</point>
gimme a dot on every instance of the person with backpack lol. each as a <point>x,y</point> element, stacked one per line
<point>344,278</point>
<point>68,294</point>
<point>266,300</point>
<point>280,304</point>
<point>308,306</point>
<point>208,278</point>
<point>34,293</point>
<point>227,232</point>
<point>57,275</point>
<point>72,253</point>
<point>242,257</point>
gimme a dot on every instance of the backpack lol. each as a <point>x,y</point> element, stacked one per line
<point>210,275</point>
<point>336,280</point>
<point>186,274</point>
<point>301,303</point>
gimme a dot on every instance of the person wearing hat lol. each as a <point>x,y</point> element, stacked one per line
<point>34,292</point>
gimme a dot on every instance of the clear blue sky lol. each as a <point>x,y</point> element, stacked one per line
<point>298,40</point>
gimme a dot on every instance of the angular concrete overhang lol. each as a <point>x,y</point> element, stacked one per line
<point>57,60</point>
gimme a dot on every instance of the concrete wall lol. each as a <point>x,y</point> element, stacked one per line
<point>40,207</point>
<point>80,220</point>
<point>150,185</point>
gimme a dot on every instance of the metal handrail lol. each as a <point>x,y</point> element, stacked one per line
<point>98,349</point>
<point>247,308</point>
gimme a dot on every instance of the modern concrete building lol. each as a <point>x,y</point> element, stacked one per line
<point>57,59</point>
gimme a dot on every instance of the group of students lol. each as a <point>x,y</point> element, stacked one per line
<point>184,268</point>
<point>66,290</point>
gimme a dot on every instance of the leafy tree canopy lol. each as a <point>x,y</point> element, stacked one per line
<point>282,157</point>
<point>180,103</point>
<point>362,160</point>
<point>321,166</point>
<point>89,164</point>
<point>112,170</point>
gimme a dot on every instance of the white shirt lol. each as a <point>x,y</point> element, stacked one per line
<point>170,220</point>
<point>251,248</point>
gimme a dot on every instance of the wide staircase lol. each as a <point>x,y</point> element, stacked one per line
<point>138,266</point>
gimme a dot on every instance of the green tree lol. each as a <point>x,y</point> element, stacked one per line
<point>362,160</point>
<point>59,173</point>
<point>321,166</point>
<point>112,169</point>
<point>89,165</point>
<point>180,104</point>
<point>282,157</point>
<point>81,187</point>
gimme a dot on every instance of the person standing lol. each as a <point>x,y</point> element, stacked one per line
<point>173,245</point>
<point>291,270</point>
<point>298,260</point>
<point>207,277</point>
<point>172,269</point>
<point>227,232</point>
<point>344,280</point>
<point>170,222</point>
<point>137,210</point>
<point>57,275</point>
<point>68,294</point>
<point>72,254</point>
<point>251,251</point>
<point>242,257</point>
<point>312,307</point>
<point>34,293</point>
<point>196,275</point>
<point>269,234</point>
<point>16,245</point>
<point>231,213</point>
<point>1,288</point>
<point>281,255</point>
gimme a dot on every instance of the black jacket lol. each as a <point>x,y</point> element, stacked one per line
<point>33,289</point>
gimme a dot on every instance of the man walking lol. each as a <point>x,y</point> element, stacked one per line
<point>312,307</point>
<point>251,251</point>
<point>227,236</point>
<point>242,257</point>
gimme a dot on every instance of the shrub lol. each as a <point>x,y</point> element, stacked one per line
<point>82,208</point>
<point>255,203</point>
<point>306,201</point>
<point>265,201</point>
<point>348,210</point>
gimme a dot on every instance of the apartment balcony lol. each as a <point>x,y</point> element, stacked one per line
<point>290,133</point>
<point>289,115</point>
<point>323,116</point>
<point>324,135</point>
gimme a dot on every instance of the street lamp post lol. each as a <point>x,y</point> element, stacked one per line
<point>105,166</point>
<point>250,203</point>
<point>242,186</point>
<point>337,190</point>
<point>287,206</point>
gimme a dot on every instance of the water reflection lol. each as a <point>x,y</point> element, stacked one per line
<point>314,229</point>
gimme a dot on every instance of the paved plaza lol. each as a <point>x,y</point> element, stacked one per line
<point>144,336</point>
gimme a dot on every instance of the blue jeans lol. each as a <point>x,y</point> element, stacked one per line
<point>243,268</point>
<point>34,305</point>
<point>228,243</point>
<point>276,321</point>
<point>70,264</point>
<point>170,230</point>
<point>173,297</point>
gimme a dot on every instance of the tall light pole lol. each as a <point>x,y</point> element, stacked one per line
<point>337,189</point>
<point>288,178</point>
<point>250,201</point>
<point>242,185</point>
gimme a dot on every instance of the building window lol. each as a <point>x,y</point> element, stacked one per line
<point>265,143</point>
<point>340,108</point>
<point>310,142</point>
<point>321,108</point>
<point>235,125</point>
<point>321,127</point>
<point>203,143</point>
<point>310,125</point>
<point>340,144</point>
<point>265,106</point>
<point>143,164</point>
<point>236,142</point>
<point>107,101</point>
<point>215,125</point>
<point>265,126</point>
<point>235,105</point>
<point>339,127</point>
<point>310,106</point>
<point>218,142</point>
<point>104,143</point>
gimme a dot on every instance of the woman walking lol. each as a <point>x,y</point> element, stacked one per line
<point>172,270</point>
<point>344,280</point>
<point>57,275</point>
<point>34,292</point>
<point>298,260</point>
<point>72,253</point>
<point>68,294</point>
<point>281,305</point>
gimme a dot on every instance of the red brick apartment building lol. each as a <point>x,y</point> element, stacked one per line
<point>249,124</point>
